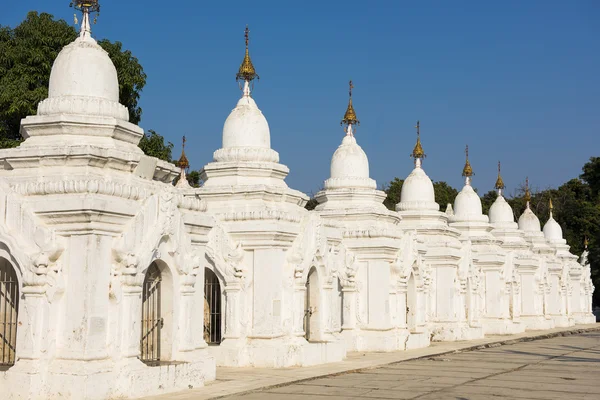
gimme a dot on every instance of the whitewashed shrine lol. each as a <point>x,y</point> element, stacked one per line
<point>115,283</point>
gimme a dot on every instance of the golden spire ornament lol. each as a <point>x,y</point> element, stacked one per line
<point>499,182</point>
<point>585,242</point>
<point>527,193</point>
<point>418,152</point>
<point>246,72</point>
<point>183,162</point>
<point>350,117</point>
<point>86,7</point>
<point>467,170</point>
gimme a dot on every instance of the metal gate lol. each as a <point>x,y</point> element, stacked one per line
<point>307,308</point>
<point>152,321</point>
<point>212,308</point>
<point>9,306</point>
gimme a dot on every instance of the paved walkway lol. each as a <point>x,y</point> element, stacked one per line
<point>552,367</point>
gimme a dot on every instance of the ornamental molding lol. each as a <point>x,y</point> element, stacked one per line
<point>262,215</point>
<point>226,255</point>
<point>252,154</point>
<point>82,105</point>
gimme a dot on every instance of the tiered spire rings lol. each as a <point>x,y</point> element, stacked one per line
<point>527,192</point>
<point>499,182</point>
<point>86,7</point>
<point>418,154</point>
<point>467,170</point>
<point>246,72</point>
<point>350,118</point>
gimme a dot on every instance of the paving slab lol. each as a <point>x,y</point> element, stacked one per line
<point>448,370</point>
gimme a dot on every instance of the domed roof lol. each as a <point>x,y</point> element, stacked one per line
<point>417,192</point>
<point>349,167</point>
<point>501,211</point>
<point>552,230</point>
<point>246,126</point>
<point>349,160</point>
<point>467,203</point>
<point>83,81</point>
<point>84,69</point>
<point>529,222</point>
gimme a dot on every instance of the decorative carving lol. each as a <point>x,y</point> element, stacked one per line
<point>226,254</point>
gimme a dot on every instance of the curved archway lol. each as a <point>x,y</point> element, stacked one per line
<point>157,315</point>
<point>312,324</point>
<point>9,309</point>
<point>411,303</point>
<point>212,308</point>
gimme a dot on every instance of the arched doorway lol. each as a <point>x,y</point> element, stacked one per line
<point>311,311</point>
<point>212,308</point>
<point>152,319</point>
<point>411,304</point>
<point>9,307</point>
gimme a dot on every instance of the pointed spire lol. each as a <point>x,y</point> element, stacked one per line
<point>499,182</point>
<point>183,161</point>
<point>550,207</point>
<point>585,243</point>
<point>350,117</point>
<point>183,164</point>
<point>418,154</point>
<point>86,7</point>
<point>467,170</point>
<point>246,72</point>
<point>527,193</point>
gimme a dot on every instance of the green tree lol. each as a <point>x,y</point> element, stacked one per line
<point>487,200</point>
<point>153,144</point>
<point>393,191</point>
<point>444,194</point>
<point>591,175</point>
<point>27,53</point>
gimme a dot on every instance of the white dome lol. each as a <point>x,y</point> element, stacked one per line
<point>84,69</point>
<point>529,222</point>
<point>417,192</point>
<point>467,203</point>
<point>246,126</point>
<point>552,230</point>
<point>349,167</point>
<point>501,211</point>
<point>349,160</point>
<point>83,81</point>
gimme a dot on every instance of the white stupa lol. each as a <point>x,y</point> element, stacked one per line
<point>349,184</point>
<point>246,157</point>
<point>467,205</point>
<point>417,190</point>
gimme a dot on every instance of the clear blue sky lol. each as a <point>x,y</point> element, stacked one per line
<point>516,80</point>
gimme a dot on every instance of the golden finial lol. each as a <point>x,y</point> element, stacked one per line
<point>550,206</point>
<point>527,193</point>
<point>183,161</point>
<point>418,150</point>
<point>467,170</point>
<point>350,116</point>
<point>585,242</point>
<point>246,71</point>
<point>499,181</point>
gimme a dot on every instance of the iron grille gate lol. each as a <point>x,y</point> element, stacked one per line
<point>9,306</point>
<point>212,308</point>
<point>152,321</point>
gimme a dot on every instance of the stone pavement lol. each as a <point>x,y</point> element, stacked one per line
<point>563,363</point>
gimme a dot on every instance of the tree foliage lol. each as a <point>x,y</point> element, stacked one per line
<point>27,53</point>
<point>153,144</point>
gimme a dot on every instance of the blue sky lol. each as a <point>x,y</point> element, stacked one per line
<point>516,80</point>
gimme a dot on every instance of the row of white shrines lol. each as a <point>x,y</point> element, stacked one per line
<point>114,283</point>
